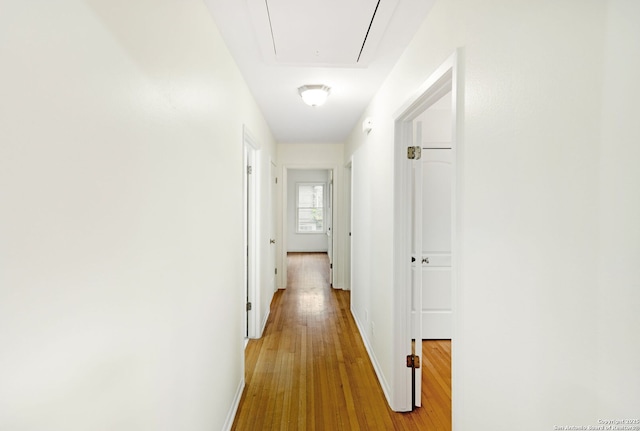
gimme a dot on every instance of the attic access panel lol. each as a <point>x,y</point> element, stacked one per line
<point>320,32</point>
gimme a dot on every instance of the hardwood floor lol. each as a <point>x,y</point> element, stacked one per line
<point>310,370</point>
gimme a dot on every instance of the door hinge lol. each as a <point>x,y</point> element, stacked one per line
<point>414,153</point>
<point>276,180</point>
<point>248,306</point>
<point>249,170</point>
<point>413,361</point>
<point>331,266</point>
<point>276,271</point>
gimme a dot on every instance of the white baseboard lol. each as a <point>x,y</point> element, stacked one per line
<point>376,366</point>
<point>234,407</point>
<point>264,322</point>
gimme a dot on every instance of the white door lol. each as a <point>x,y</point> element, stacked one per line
<point>347,255</point>
<point>435,253</point>
<point>416,268</point>
<point>251,217</point>
<point>248,234</point>
<point>273,225</point>
<point>430,248</point>
<point>329,221</point>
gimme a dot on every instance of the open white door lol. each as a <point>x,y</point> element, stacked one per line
<point>348,187</point>
<point>273,215</point>
<point>249,236</point>
<point>416,268</point>
<point>251,218</point>
<point>431,240</point>
<point>329,221</point>
<point>435,255</point>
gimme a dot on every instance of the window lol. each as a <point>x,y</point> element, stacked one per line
<point>310,208</point>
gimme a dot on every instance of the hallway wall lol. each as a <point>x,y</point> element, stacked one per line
<point>618,296</point>
<point>121,189</point>
<point>548,210</point>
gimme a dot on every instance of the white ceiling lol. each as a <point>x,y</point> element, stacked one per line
<point>349,45</point>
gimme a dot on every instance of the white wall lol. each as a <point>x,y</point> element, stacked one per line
<point>618,297</point>
<point>121,187</point>
<point>314,156</point>
<point>304,242</point>
<point>548,210</point>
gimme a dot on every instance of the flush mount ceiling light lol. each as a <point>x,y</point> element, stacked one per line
<point>314,95</point>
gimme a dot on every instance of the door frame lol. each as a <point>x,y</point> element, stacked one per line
<point>251,203</point>
<point>447,77</point>
<point>335,208</point>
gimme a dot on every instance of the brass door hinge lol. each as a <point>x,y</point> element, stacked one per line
<point>414,153</point>
<point>413,361</point>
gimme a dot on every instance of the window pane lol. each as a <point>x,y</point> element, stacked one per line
<point>310,220</point>
<point>310,196</point>
<point>310,208</point>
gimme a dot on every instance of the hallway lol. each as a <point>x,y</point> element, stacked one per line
<point>310,370</point>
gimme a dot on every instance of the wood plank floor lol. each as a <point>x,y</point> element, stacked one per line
<point>310,370</point>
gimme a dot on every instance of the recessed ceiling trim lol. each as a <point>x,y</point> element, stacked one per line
<point>373,17</point>
<point>384,13</point>
<point>320,33</point>
<point>273,42</point>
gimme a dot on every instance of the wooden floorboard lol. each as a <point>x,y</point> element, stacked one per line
<point>311,371</point>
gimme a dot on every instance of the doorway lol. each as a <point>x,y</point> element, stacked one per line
<point>427,146</point>
<point>302,230</point>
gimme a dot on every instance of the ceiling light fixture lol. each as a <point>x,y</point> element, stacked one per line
<point>314,95</point>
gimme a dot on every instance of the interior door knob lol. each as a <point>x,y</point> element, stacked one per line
<point>272,241</point>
